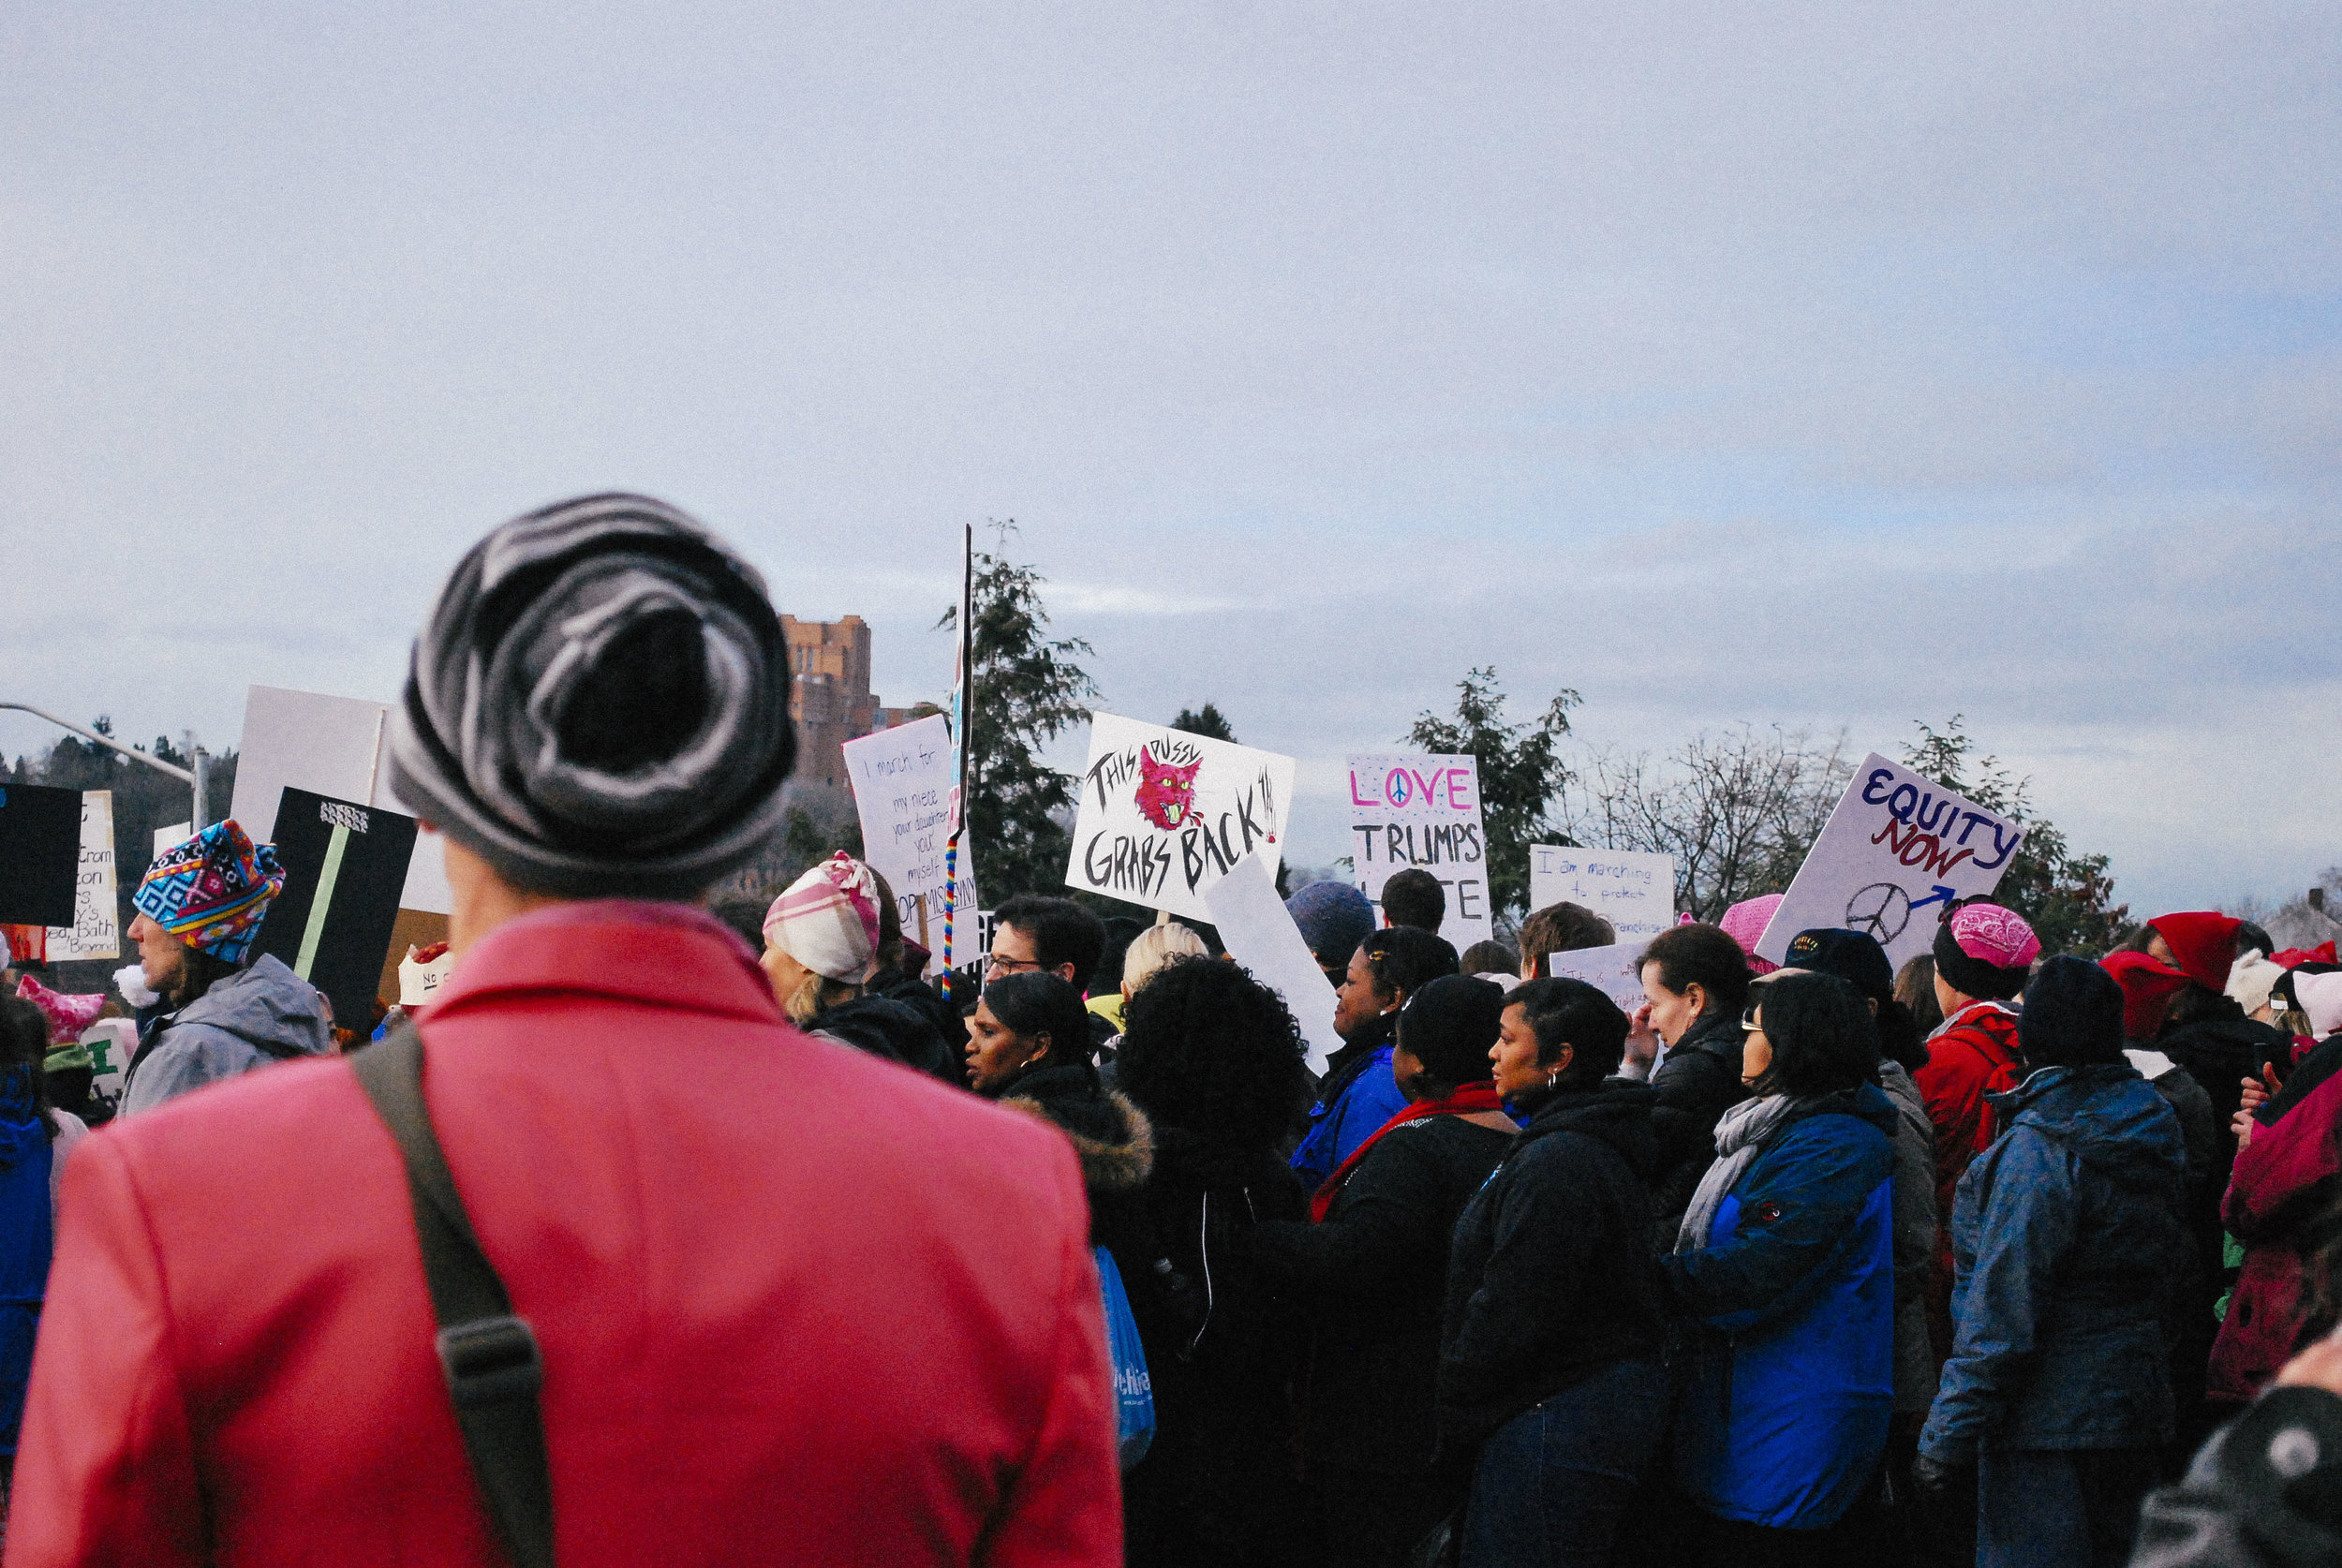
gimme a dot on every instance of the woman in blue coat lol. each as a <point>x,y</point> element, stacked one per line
<point>1784,1263</point>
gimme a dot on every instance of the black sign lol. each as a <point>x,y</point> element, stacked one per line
<point>344,866</point>
<point>40,854</point>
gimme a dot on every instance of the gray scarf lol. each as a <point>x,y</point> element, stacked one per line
<point>1740,1136</point>
<point>522,625</point>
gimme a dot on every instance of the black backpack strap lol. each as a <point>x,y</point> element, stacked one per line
<point>494,1371</point>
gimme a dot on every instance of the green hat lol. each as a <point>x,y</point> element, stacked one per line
<point>66,1058</point>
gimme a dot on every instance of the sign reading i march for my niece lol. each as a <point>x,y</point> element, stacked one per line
<point>1897,850</point>
<point>1415,808</point>
<point>902,789</point>
<point>1165,814</point>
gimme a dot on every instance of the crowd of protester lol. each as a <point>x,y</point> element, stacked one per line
<point>2005,1257</point>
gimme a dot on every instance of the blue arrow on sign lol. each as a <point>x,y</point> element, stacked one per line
<point>1941,895</point>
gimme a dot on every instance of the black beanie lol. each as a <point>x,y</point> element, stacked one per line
<point>1448,1025</point>
<point>2072,1016</point>
<point>1974,977</point>
<point>1853,958</point>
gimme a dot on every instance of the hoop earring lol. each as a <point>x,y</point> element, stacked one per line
<point>1552,1075</point>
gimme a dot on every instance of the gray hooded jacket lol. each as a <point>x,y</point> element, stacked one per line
<point>258,1015</point>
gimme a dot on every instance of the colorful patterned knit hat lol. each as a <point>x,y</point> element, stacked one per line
<point>828,920</point>
<point>212,891</point>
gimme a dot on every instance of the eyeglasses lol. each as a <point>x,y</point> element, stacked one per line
<point>995,964</point>
<point>1748,1020</point>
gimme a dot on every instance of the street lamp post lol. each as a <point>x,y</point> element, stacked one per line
<point>195,779</point>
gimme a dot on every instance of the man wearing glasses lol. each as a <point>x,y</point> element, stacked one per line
<point>1053,935</point>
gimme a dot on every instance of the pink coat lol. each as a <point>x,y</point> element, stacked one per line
<point>797,1304</point>
<point>2285,1178</point>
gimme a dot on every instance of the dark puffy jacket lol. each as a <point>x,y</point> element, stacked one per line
<point>1116,1145</point>
<point>1372,1278</point>
<point>941,1014</point>
<point>1794,1301</point>
<point>892,1030</point>
<point>1551,1278</point>
<point>2219,1052</point>
<point>2265,1492</point>
<point>1220,1350</point>
<point>2286,1181</point>
<point>2067,1235</point>
<point>1698,1082</point>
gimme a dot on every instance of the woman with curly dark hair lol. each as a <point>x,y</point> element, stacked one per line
<point>1214,1060</point>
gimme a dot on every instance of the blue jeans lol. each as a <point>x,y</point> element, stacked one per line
<point>2059,1508</point>
<point>1553,1483</point>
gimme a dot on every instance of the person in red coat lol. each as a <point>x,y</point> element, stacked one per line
<point>795,1305</point>
<point>1983,955</point>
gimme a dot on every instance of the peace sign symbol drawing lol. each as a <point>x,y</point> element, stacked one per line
<point>1880,912</point>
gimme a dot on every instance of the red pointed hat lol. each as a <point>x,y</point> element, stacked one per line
<point>2203,942</point>
<point>2147,989</point>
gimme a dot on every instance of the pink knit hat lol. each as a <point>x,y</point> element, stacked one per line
<point>1995,935</point>
<point>1745,923</point>
<point>68,1015</point>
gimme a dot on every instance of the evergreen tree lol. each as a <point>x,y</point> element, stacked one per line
<point>1208,722</point>
<point>2068,897</point>
<point>1522,772</point>
<point>1028,691</point>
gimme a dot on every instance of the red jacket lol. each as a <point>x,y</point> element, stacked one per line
<point>797,1304</point>
<point>1975,1055</point>
<point>2285,1178</point>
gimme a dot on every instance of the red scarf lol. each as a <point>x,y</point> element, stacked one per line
<point>1464,1102</point>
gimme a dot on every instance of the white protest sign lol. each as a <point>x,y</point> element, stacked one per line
<point>1633,890</point>
<point>1896,850</point>
<point>332,746</point>
<point>1258,934</point>
<point>1165,814</point>
<point>1615,971</point>
<point>1417,808</point>
<point>112,1043</point>
<point>96,928</point>
<point>171,838</point>
<point>902,790</point>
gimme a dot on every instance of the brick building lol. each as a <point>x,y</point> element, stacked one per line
<point>829,694</point>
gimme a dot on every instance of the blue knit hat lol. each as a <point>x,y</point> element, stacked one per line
<point>1334,918</point>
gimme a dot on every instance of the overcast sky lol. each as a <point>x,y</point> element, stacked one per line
<point>1816,366</point>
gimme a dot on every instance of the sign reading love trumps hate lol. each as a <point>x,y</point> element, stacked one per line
<point>1421,809</point>
<point>1897,850</point>
<point>1164,815</point>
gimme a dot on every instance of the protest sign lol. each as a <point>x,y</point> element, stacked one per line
<point>40,854</point>
<point>112,1042</point>
<point>344,866</point>
<point>1258,934</point>
<point>1417,808</point>
<point>171,838</point>
<point>1632,889</point>
<point>96,928</point>
<point>902,791</point>
<point>1163,814</point>
<point>1615,971</point>
<point>1897,850</point>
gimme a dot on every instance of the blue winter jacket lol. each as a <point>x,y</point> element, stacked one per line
<point>1354,1113</point>
<point>1786,1416</point>
<point>2067,1235</point>
<point>25,1241</point>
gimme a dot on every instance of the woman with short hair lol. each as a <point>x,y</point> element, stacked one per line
<point>1550,1385</point>
<point>1694,981</point>
<point>1785,1266</point>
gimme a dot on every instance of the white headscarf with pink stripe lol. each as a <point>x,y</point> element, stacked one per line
<point>828,920</point>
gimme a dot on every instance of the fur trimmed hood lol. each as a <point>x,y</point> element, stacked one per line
<point>1112,1137</point>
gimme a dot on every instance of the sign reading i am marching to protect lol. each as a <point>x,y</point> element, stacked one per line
<point>1633,890</point>
<point>1165,814</point>
<point>95,931</point>
<point>344,866</point>
<point>1897,850</point>
<point>1415,808</point>
<point>902,790</point>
